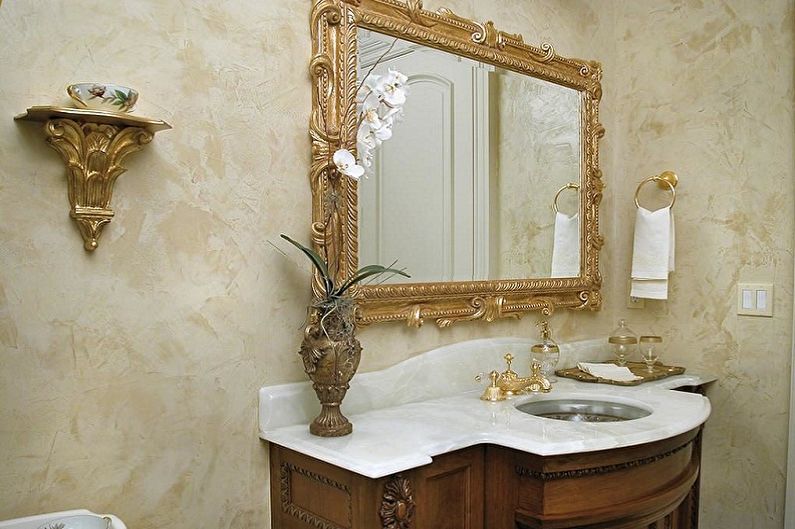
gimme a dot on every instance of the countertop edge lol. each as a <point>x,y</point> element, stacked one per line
<point>328,450</point>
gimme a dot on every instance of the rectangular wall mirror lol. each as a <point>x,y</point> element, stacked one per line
<point>487,191</point>
<point>466,187</point>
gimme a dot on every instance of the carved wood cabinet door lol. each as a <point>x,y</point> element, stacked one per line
<point>310,494</point>
<point>449,492</point>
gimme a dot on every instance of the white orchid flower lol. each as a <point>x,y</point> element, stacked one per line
<point>382,98</point>
<point>367,162</point>
<point>389,88</point>
<point>387,120</point>
<point>397,78</point>
<point>393,95</point>
<point>346,164</point>
<point>373,82</point>
<point>365,143</point>
<point>363,134</point>
<point>372,119</point>
<point>394,89</point>
<point>371,101</point>
<point>392,116</point>
<point>384,133</point>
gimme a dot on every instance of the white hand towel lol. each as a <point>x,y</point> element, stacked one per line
<point>609,372</point>
<point>653,253</point>
<point>566,246</point>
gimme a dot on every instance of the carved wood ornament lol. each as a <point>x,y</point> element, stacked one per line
<point>333,125</point>
<point>285,493</point>
<point>596,471</point>
<point>397,505</point>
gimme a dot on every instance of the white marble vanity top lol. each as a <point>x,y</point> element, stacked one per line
<point>429,405</point>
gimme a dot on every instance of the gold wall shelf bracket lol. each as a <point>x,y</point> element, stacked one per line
<point>92,144</point>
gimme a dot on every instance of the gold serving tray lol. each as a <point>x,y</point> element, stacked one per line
<point>638,368</point>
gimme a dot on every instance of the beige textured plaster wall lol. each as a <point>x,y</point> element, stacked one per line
<point>129,377</point>
<point>706,89</point>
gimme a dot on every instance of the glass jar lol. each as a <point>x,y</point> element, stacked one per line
<point>650,348</point>
<point>623,342</point>
<point>546,353</point>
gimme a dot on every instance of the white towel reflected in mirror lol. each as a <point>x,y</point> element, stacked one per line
<point>566,246</point>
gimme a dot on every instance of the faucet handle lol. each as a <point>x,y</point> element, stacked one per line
<point>538,382</point>
<point>509,359</point>
<point>535,369</point>
<point>493,393</point>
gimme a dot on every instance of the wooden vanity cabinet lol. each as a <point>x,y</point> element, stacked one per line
<point>650,486</point>
<point>446,494</point>
<point>647,486</point>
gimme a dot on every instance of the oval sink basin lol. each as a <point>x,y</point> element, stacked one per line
<point>580,410</point>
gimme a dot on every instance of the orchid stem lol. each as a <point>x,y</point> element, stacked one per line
<point>364,79</point>
<point>376,64</point>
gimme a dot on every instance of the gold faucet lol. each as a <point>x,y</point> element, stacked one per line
<point>509,382</point>
<point>538,382</point>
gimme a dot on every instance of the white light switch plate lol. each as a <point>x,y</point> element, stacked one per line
<point>755,299</point>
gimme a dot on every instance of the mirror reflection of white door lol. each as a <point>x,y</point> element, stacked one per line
<point>429,210</point>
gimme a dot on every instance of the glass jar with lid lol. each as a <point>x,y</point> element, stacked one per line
<point>623,342</point>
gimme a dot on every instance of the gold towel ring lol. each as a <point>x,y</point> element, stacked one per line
<point>666,179</point>
<point>570,185</point>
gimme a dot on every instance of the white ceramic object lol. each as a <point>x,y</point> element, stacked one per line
<point>80,521</point>
<point>103,96</point>
<point>429,405</point>
<point>39,520</point>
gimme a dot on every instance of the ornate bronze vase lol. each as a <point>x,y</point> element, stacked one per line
<point>331,354</point>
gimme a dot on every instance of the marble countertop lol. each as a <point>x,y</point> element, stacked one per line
<point>396,434</point>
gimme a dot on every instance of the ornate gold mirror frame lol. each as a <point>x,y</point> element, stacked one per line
<point>333,126</point>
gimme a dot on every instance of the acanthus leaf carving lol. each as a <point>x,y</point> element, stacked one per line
<point>488,308</point>
<point>414,317</point>
<point>397,504</point>
<point>416,13</point>
<point>93,153</point>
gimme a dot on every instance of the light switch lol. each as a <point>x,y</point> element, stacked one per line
<point>761,299</point>
<point>748,299</point>
<point>755,299</point>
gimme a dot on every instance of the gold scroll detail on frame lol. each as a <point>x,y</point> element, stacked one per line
<point>333,125</point>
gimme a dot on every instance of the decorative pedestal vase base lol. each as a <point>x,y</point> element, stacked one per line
<point>331,354</point>
<point>331,422</point>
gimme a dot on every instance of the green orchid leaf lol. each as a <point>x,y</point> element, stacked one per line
<point>317,261</point>
<point>369,271</point>
<point>368,268</point>
<point>358,277</point>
